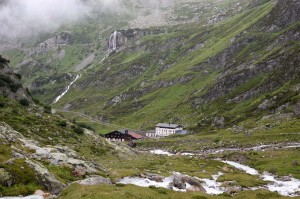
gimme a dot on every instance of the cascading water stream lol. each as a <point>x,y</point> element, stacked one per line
<point>113,41</point>
<point>67,89</point>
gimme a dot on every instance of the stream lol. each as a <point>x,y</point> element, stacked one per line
<point>285,186</point>
<point>67,89</point>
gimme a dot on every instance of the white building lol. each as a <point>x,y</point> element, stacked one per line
<point>163,129</point>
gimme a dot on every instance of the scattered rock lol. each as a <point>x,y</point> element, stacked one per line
<point>5,178</point>
<point>266,104</point>
<point>46,178</point>
<point>218,122</point>
<point>79,171</point>
<point>41,193</point>
<point>179,182</point>
<point>95,180</point>
<point>156,178</point>
<point>233,190</point>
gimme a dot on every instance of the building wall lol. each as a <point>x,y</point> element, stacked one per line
<point>117,137</point>
<point>151,135</point>
<point>162,132</point>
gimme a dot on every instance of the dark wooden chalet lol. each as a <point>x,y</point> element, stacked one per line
<point>122,136</point>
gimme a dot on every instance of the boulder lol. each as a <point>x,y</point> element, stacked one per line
<point>156,178</point>
<point>195,184</point>
<point>233,190</point>
<point>218,122</point>
<point>95,180</point>
<point>5,178</point>
<point>46,178</point>
<point>41,193</point>
<point>179,182</point>
<point>79,171</point>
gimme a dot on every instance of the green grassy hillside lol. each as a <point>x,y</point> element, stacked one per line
<point>187,75</point>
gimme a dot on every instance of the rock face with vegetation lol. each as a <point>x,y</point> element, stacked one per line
<point>238,53</point>
<point>10,83</point>
<point>39,150</point>
<point>227,70</point>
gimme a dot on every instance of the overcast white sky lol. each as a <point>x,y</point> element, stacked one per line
<point>19,18</point>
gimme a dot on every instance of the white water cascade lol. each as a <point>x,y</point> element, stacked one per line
<point>67,89</point>
<point>285,186</point>
<point>113,41</point>
<point>210,185</point>
<point>290,187</point>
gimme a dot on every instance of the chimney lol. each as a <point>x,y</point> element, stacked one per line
<point>126,131</point>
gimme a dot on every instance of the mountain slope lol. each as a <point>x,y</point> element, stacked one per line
<point>40,150</point>
<point>187,74</point>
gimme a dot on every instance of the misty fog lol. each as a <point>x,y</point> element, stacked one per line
<point>24,18</point>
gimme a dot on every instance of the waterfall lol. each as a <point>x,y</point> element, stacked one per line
<point>113,41</point>
<point>67,89</point>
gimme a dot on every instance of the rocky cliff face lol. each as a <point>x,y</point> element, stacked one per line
<point>284,14</point>
<point>58,40</point>
<point>44,151</point>
<point>10,84</point>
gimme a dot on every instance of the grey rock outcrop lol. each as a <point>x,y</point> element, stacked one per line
<point>179,182</point>
<point>218,122</point>
<point>46,178</point>
<point>283,14</point>
<point>59,39</point>
<point>5,178</point>
<point>10,84</point>
<point>95,180</point>
<point>55,155</point>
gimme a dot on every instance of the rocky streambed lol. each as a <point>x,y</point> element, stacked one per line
<point>285,186</point>
<point>205,152</point>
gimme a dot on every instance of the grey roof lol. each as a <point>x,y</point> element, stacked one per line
<point>165,125</point>
<point>123,131</point>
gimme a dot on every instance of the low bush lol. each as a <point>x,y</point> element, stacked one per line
<point>47,109</point>
<point>24,102</point>
<point>77,129</point>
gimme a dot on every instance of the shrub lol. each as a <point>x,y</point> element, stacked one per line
<point>62,123</point>
<point>24,102</point>
<point>273,171</point>
<point>86,126</point>
<point>199,197</point>
<point>47,109</point>
<point>28,91</point>
<point>2,104</point>
<point>120,185</point>
<point>19,76</point>
<point>36,101</point>
<point>15,86</point>
<point>77,129</point>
